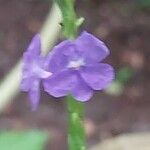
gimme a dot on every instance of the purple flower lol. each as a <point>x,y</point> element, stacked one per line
<point>33,71</point>
<point>77,69</point>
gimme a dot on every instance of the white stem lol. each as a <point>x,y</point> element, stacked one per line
<point>9,87</point>
<point>51,29</point>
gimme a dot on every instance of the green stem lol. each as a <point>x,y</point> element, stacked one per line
<point>69,18</point>
<point>76,132</point>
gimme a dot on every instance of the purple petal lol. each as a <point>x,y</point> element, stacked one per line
<point>92,48</point>
<point>25,84</point>
<point>34,93</point>
<point>97,76</point>
<point>82,92</point>
<point>26,77</point>
<point>34,47</point>
<point>56,60</point>
<point>41,73</point>
<point>28,58</point>
<point>33,51</point>
<point>68,82</point>
<point>60,84</point>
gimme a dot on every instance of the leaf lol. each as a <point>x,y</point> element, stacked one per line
<point>25,140</point>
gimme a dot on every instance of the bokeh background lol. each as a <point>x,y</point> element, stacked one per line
<point>124,25</point>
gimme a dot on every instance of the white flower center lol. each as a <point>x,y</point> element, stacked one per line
<point>76,63</point>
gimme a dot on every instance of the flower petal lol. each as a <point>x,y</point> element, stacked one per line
<point>33,51</point>
<point>34,93</point>
<point>25,84</point>
<point>34,47</point>
<point>68,82</point>
<point>92,48</point>
<point>97,76</point>
<point>60,84</point>
<point>82,92</point>
<point>56,60</point>
<point>41,73</point>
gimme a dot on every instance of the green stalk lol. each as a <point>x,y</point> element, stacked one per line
<point>76,132</point>
<point>69,18</point>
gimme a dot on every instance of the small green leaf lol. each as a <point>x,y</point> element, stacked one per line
<point>25,140</point>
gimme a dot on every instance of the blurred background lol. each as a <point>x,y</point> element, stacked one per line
<point>124,25</point>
